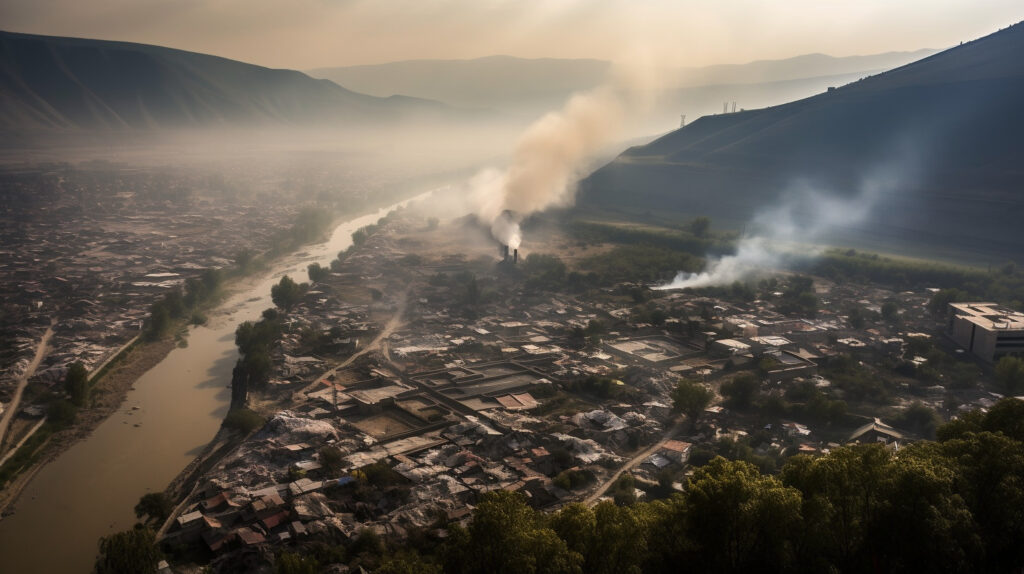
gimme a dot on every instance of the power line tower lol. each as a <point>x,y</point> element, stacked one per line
<point>682,120</point>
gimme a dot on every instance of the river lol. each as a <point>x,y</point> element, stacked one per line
<point>176,407</point>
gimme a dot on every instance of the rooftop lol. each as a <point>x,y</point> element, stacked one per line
<point>989,315</point>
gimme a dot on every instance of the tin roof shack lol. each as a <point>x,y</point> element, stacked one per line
<point>784,365</point>
<point>487,385</point>
<point>676,450</point>
<point>372,395</point>
<point>729,348</point>
<point>877,432</point>
<point>986,330</point>
<point>651,350</point>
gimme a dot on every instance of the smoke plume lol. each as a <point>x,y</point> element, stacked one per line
<point>806,217</point>
<point>553,152</point>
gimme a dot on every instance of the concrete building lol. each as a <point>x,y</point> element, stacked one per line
<point>986,330</point>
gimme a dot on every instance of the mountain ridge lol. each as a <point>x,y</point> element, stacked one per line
<point>946,122</point>
<point>52,82</point>
<point>507,82</point>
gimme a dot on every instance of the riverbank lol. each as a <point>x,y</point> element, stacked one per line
<point>164,426</point>
<point>112,382</point>
<point>108,393</point>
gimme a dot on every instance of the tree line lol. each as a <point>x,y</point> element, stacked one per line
<point>952,505</point>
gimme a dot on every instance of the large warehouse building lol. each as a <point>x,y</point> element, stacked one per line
<point>987,330</point>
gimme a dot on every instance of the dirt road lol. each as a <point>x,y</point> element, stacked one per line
<point>393,324</point>
<point>30,370</point>
<point>637,459</point>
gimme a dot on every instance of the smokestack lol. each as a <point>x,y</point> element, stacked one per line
<point>504,252</point>
<point>515,256</point>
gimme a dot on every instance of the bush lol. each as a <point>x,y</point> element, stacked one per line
<point>62,413</point>
<point>244,420</point>
<point>133,550</point>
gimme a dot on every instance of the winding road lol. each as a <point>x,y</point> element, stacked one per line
<point>30,370</point>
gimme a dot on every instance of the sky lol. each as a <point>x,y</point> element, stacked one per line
<point>306,34</point>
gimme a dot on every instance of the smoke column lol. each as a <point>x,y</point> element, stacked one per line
<point>781,236</point>
<point>551,154</point>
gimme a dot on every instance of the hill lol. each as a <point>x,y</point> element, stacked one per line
<point>943,132</point>
<point>533,86</point>
<point>495,82</point>
<point>61,83</point>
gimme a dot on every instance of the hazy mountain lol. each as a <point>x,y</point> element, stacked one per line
<point>534,85</point>
<point>939,137</point>
<point>496,82</point>
<point>55,82</point>
<point>806,66</point>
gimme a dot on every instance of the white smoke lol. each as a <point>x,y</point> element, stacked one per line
<point>553,152</point>
<point>795,229</point>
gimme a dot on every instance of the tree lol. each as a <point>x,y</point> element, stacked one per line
<point>575,524</point>
<point>619,543</point>
<point>156,505</point>
<point>741,390</point>
<point>62,412</point>
<point>317,273</point>
<point>244,260</point>
<point>1010,374</point>
<point>543,270</point>
<point>691,398</point>
<point>700,226</point>
<point>799,297</point>
<point>866,509</point>
<point>1006,417</point>
<point>940,301</point>
<point>890,310</point>
<point>920,419</point>
<point>856,318</point>
<point>988,466</point>
<point>132,550</point>
<point>508,537</point>
<point>159,320</point>
<point>287,293</point>
<point>76,382</point>
<point>740,519</point>
<point>331,458</point>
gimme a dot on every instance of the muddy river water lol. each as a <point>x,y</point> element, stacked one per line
<point>90,490</point>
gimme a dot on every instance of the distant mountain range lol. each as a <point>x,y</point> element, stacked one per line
<point>945,131</point>
<point>530,86</point>
<point>49,82</point>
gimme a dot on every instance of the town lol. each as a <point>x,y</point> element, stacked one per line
<point>429,365</point>
<point>91,247</point>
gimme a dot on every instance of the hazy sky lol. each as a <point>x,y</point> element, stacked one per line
<point>305,34</point>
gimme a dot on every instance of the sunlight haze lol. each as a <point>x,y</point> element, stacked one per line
<point>306,34</point>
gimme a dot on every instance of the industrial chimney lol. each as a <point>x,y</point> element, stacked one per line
<point>515,256</point>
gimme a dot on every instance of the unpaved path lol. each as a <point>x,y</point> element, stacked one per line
<point>30,370</point>
<point>393,324</point>
<point>637,459</point>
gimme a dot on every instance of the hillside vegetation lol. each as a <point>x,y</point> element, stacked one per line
<point>936,142</point>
